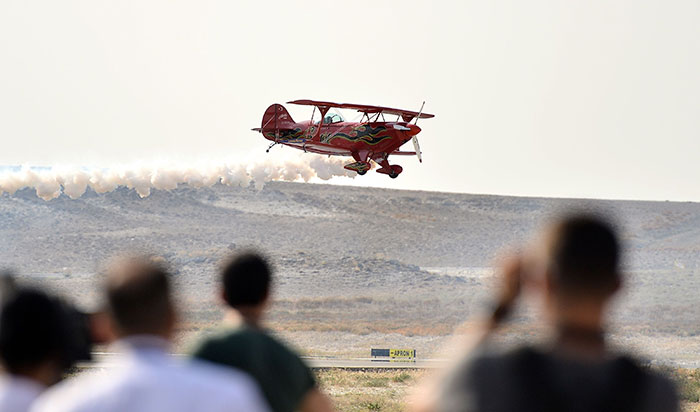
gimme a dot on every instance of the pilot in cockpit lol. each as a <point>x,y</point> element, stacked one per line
<point>331,118</point>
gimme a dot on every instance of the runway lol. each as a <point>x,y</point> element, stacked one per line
<point>107,360</point>
<point>368,363</point>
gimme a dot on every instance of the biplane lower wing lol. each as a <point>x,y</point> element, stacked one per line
<point>320,148</point>
<point>327,149</point>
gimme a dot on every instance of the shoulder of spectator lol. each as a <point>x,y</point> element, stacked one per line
<point>316,401</point>
<point>223,377</point>
<point>660,393</point>
<point>64,395</point>
<point>218,373</point>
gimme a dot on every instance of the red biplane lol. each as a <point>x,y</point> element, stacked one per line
<point>366,140</point>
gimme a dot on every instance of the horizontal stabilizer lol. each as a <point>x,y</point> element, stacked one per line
<point>359,166</point>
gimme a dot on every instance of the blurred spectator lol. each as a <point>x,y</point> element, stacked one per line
<point>146,377</point>
<point>575,268</point>
<point>286,381</point>
<point>37,336</point>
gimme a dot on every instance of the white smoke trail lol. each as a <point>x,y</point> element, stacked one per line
<point>50,182</point>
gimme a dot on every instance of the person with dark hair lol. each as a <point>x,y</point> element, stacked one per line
<point>285,380</point>
<point>35,345</point>
<point>146,378</point>
<point>576,269</point>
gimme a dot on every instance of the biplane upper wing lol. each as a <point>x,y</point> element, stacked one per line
<point>406,115</point>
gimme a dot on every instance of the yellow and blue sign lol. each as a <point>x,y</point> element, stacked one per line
<point>402,353</point>
<point>395,355</point>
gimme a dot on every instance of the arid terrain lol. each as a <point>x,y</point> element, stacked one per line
<point>356,267</point>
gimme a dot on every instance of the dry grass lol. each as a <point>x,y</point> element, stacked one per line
<point>370,390</point>
<point>688,383</point>
<point>355,391</point>
<point>690,407</point>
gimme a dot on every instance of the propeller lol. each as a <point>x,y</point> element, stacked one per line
<point>415,139</point>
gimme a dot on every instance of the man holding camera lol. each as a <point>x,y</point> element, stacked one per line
<point>575,271</point>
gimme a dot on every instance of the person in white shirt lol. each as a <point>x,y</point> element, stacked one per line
<point>34,346</point>
<point>146,377</point>
<point>17,393</point>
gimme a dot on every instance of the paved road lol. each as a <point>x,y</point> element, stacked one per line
<point>106,360</point>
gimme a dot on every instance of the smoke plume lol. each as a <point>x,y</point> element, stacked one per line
<point>50,182</point>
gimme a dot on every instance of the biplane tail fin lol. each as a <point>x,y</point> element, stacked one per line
<point>277,118</point>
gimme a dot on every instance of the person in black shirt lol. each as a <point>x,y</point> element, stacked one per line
<point>576,270</point>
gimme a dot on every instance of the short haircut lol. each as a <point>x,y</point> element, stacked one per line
<point>584,254</point>
<point>246,277</point>
<point>34,328</point>
<point>138,295</point>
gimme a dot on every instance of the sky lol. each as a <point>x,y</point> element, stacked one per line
<point>594,99</point>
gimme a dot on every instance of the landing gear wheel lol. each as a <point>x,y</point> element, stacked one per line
<point>395,171</point>
<point>361,172</point>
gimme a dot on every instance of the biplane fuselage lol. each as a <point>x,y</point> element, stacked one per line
<point>366,140</point>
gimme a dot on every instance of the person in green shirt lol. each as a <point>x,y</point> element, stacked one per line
<point>243,343</point>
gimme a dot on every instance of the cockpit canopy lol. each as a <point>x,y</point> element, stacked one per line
<point>331,118</point>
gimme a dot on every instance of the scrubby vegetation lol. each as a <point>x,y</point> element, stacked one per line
<point>688,383</point>
<point>368,390</point>
<point>381,390</point>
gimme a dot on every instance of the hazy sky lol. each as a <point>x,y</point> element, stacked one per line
<point>548,98</point>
